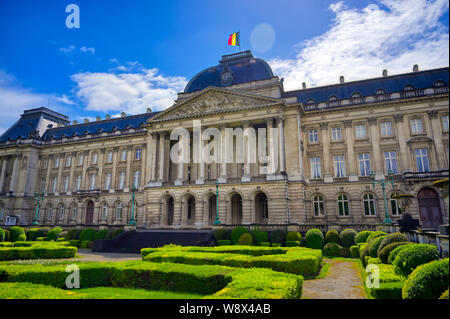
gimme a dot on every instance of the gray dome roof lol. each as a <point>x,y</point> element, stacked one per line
<point>233,69</point>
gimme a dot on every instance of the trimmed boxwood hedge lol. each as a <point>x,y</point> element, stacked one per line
<point>394,253</point>
<point>2,235</point>
<point>223,242</point>
<point>347,237</point>
<point>220,234</point>
<point>374,235</point>
<point>294,236</point>
<point>373,246</point>
<point>332,236</point>
<point>413,256</point>
<point>37,252</point>
<point>390,290</point>
<point>100,234</point>
<point>54,233</point>
<point>25,290</point>
<point>361,237</point>
<point>331,250</point>
<point>277,236</point>
<point>292,243</point>
<point>385,252</point>
<point>17,234</point>
<point>87,234</point>
<point>354,251</point>
<point>427,281</point>
<point>32,234</point>
<point>392,238</point>
<point>245,239</point>
<point>236,233</point>
<point>444,295</point>
<point>314,239</point>
<point>259,236</point>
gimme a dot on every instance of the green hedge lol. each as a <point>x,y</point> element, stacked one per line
<point>347,237</point>
<point>259,236</point>
<point>294,236</point>
<point>292,243</point>
<point>413,256</point>
<point>331,250</point>
<point>37,252</point>
<point>2,235</point>
<point>391,290</point>
<point>392,238</point>
<point>332,236</point>
<point>384,253</point>
<point>374,235</point>
<point>17,234</point>
<point>314,239</point>
<point>373,246</point>
<point>236,233</point>
<point>395,252</point>
<point>361,237</point>
<point>25,290</point>
<point>87,234</point>
<point>428,281</point>
<point>354,251</point>
<point>221,234</point>
<point>245,239</point>
<point>73,234</point>
<point>278,236</point>
<point>54,233</point>
<point>223,242</point>
<point>101,234</point>
<point>32,233</point>
<point>75,243</point>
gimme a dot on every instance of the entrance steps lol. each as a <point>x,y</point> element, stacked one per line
<point>132,241</point>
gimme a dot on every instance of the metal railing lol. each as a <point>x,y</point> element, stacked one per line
<point>425,175</point>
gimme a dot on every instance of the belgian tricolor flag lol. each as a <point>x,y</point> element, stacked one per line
<point>234,39</point>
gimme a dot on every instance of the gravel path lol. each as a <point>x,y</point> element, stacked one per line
<point>343,281</point>
<point>88,255</point>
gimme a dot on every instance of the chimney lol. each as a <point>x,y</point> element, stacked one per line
<point>98,118</point>
<point>384,72</point>
<point>149,110</point>
<point>341,79</point>
<point>108,117</point>
<point>86,120</point>
<point>123,114</point>
<point>415,68</point>
<point>74,122</point>
<point>303,85</point>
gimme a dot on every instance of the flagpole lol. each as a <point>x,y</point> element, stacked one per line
<point>239,32</point>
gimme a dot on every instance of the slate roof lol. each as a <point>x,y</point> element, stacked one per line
<point>390,84</point>
<point>244,68</point>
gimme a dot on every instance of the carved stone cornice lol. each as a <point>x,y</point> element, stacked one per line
<point>372,120</point>
<point>323,125</point>
<point>398,118</point>
<point>348,123</point>
<point>432,114</point>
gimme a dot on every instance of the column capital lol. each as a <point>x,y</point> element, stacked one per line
<point>245,124</point>
<point>398,118</point>
<point>432,114</point>
<point>269,121</point>
<point>279,119</point>
<point>348,123</point>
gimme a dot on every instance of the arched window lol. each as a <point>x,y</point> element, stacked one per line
<point>356,98</point>
<point>409,88</point>
<point>49,212</point>
<point>310,102</point>
<point>333,101</point>
<point>380,92</point>
<point>104,211</point>
<point>395,209</point>
<point>440,87</point>
<point>343,205</point>
<point>318,206</point>
<point>439,83</point>
<point>369,205</point>
<point>74,211</point>
<point>119,210</point>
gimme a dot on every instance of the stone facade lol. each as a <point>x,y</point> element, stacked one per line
<point>88,177</point>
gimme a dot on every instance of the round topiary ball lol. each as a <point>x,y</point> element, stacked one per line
<point>413,256</point>
<point>15,232</point>
<point>331,250</point>
<point>427,281</point>
<point>54,233</point>
<point>314,239</point>
<point>220,234</point>
<point>375,234</point>
<point>236,233</point>
<point>294,236</point>
<point>332,236</point>
<point>277,236</point>
<point>361,237</point>
<point>385,252</point>
<point>347,237</point>
<point>374,244</point>
<point>245,239</point>
<point>396,250</point>
<point>392,238</point>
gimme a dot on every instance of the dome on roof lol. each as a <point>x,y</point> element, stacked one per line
<point>233,69</point>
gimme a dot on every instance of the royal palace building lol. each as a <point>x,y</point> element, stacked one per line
<point>325,146</point>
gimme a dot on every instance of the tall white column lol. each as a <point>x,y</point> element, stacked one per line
<point>281,150</point>
<point>162,142</point>
<point>3,174</point>
<point>180,164</point>
<point>352,167</point>
<point>15,172</point>
<point>153,157</point>
<point>247,165</point>
<point>223,164</point>
<point>201,165</point>
<point>404,151</point>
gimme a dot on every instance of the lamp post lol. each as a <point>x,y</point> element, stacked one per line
<point>38,197</point>
<point>383,182</point>
<point>132,221</point>
<point>217,221</point>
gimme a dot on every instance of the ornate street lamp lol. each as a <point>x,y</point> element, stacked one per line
<point>38,197</point>
<point>217,221</point>
<point>132,221</point>
<point>383,182</point>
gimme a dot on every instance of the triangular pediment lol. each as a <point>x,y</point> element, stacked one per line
<point>213,100</point>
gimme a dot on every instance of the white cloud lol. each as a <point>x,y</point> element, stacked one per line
<point>361,43</point>
<point>86,49</point>
<point>67,49</point>
<point>130,92</point>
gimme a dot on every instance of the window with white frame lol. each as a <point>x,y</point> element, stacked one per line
<point>68,160</point>
<point>122,180</point>
<point>54,183</point>
<point>45,163</point>
<point>386,128</point>
<point>395,208</point>
<point>123,155</point>
<point>390,159</point>
<point>416,126</point>
<point>78,183</point>
<point>364,164</point>
<point>56,163</point>
<point>336,134</point>
<point>49,212</point>
<point>43,182</point>
<point>444,120</point>
<point>108,181</point>
<point>119,211</point>
<point>95,158</point>
<point>109,157</point>
<point>339,166</point>
<point>74,211</point>
<point>61,212</point>
<point>313,136</point>
<point>138,153</point>
<point>92,181</point>
<point>318,205</point>
<point>360,131</point>
<point>316,171</point>
<point>369,204</point>
<point>343,207</point>
<point>80,160</point>
<point>423,163</point>
<point>136,178</point>
<point>104,211</point>
<point>66,184</point>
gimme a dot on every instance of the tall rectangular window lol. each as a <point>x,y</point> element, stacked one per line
<point>122,180</point>
<point>66,184</point>
<point>92,182</point>
<point>123,156</point>
<point>445,123</point>
<point>313,136</point>
<point>315,167</point>
<point>54,183</point>
<point>43,182</point>
<point>108,181</point>
<point>336,134</point>
<point>364,164</point>
<point>138,153</point>
<point>68,161</point>
<point>136,178</point>
<point>80,160</point>
<point>56,162</point>
<point>95,158</point>
<point>423,164</point>
<point>390,159</point>
<point>109,157</point>
<point>339,166</point>
<point>416,126</point>
<point>78,183</point>
<point>360,131</point>
<point>386,128</point>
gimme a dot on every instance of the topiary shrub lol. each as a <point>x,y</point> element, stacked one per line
<point>427,281</point>
<point>42,232</point>
<point>373,246</point>
<point>260,236</point>
<point>292,243</point>
<point>7,235</point>
<point>384,253</point>
<point>332,236</point>
<point>331,250</point>
<point>265,244</point>
<point>314,239</point>
<point>220,234</point>
<point>245,239</point>
<point>100,234</point>
<point>63,234</point>
<point>276,245</point>
<point>223,242</point>
<point>294,236</point>
<point>344,252</point>
<point>413,256</point>
<point>73,234</point>
<point>361,237</point>
<point>394,253</point>
<point>354,252</point>
<point>15,233</point>
<point>87,234</point>
<point>278,236</point>
<point>2,235</point>
<point>236,233</point>
<point>347,237</point>
<point>444,295</point>
<point>375,234</point>
<point>392,238</point>
<point>54,233</point>
<point>32,234</point>
<point>374,261</point>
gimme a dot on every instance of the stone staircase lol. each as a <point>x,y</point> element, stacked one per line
<point>133,241</point>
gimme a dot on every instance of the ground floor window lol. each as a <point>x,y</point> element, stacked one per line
<point>343,205</point>
<point>318,205</point>
<point>369,205</point>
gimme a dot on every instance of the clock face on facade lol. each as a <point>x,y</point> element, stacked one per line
<point>226,76</point>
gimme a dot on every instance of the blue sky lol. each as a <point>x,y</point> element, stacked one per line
<point>127,56</point>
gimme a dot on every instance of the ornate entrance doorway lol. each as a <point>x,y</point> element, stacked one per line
<point>90,213</point>
<point>429,208</point>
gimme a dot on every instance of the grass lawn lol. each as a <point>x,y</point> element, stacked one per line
<point>127,293</point>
